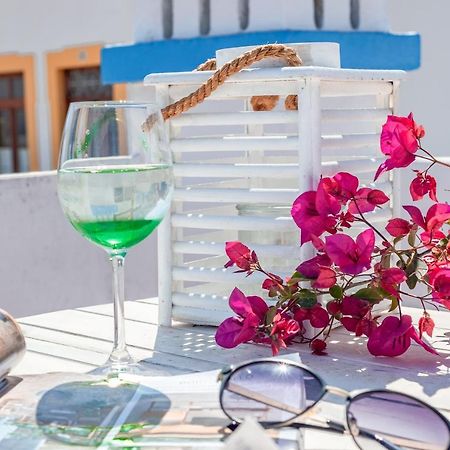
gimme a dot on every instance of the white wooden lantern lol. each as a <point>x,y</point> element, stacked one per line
<point>237,171</point>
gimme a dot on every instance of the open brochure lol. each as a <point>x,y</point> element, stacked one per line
<point>182,411</point>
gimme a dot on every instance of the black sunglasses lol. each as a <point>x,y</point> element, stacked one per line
<point>277,392</point>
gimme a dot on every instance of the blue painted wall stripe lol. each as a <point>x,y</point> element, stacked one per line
<point>359,50</point>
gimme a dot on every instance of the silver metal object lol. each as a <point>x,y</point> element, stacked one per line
<point>12,343</point>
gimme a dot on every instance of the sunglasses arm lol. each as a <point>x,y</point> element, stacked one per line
<point>331,426</point>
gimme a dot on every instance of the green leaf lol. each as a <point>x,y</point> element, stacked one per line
<point>306,298</point>
<point>394,304</point>
<point>372,295</point>
<point>296,278</point>
<point>412,264</point>
<point>270,314</point>
<point>336,291</point>
<point>412,281</point>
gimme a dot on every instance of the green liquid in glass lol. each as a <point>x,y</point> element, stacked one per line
<point>117,235</point>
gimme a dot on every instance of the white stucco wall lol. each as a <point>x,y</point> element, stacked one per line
<point>425,91</point>
<point>29,26</point>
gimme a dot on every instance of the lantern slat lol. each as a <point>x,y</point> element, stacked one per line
<point>234,143</point>
<point>217,248</point>
<point>216,275</point>
<point>237,118</point>
<point>238,90</point>
<point>265,143</point>
<point>273,196</point>
<point>199,316</point>
<point>201,221</point>
<point>351,141</point>
<point>343,115</point>
<point>236,170</point>
<point>327,75</point>
<point>356,166</point>
<point>214,302</point>
<point>278,117</point>
<point>284,171</point>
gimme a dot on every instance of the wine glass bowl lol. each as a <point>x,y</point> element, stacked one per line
<point>114,185</point>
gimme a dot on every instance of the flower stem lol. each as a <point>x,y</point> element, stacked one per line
<point>432,158</point>
<point>363,219</point>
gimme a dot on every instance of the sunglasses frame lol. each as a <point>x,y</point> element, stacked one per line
<point>226,373</point>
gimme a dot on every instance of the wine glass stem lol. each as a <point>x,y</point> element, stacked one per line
<point>119,356</point>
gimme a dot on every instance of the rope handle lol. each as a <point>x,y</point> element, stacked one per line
<point>259,103</point>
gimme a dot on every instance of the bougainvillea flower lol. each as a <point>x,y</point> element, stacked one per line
<point>326,203</point>
<point>423,185</point>
<point>342,186</point>
<point>311,267</point>
<point>426,325</point>
<point>274,282</point>
<point>283,331</point>
<point>350,256</point>
<point>346,219</point>
<point>439,279</point>
<point>307,217</point>
<point>393,337</point>
<point>334,307</point>
<point>356,316</point>
<point>236,330</point>
<point>431,238</point>
<point>326,278</point>
<point>240,255</point>
<point>398,227</point>
<point>390,279</point>
<point>318,269</point>
<point>366,200</point>
<point>317,316</point>
<point>318,347</point>
<point>436,216</point>
<point>318,243</point>
<point>399,141</point>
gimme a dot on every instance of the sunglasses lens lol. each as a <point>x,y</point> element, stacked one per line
<point>271,392</point>
<point>397,420</point>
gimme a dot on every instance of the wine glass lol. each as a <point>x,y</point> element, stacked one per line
<point>114,186</point>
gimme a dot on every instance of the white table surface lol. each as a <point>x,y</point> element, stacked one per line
<point>79,340</point>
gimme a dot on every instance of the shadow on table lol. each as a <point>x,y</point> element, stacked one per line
<point>93,412</point>
<point>348,364</point>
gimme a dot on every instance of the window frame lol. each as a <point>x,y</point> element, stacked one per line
<point>58,63</point>
<point>16,64</point>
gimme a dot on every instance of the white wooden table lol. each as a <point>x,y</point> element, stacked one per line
<point>79,340</point>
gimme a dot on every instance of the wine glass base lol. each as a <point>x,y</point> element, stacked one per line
<point>115,369</point>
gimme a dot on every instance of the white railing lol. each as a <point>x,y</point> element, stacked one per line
<point>167,19</point>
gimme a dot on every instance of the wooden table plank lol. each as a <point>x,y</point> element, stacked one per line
<point>341,344</point>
